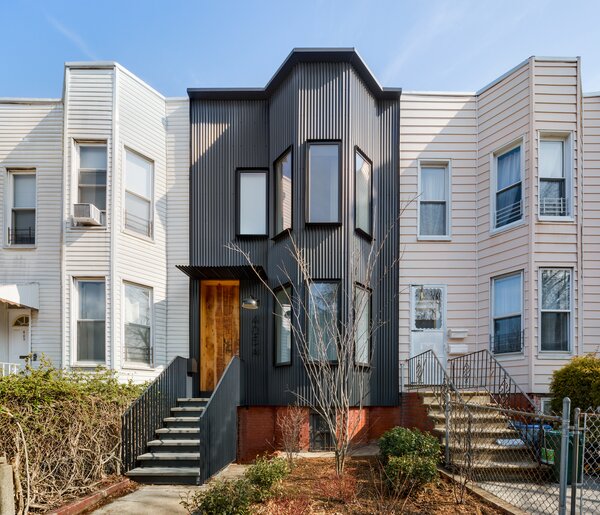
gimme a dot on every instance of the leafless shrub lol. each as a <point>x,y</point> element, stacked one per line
<point>290,425</point>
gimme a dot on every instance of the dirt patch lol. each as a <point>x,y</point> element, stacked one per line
<point>313,488</point>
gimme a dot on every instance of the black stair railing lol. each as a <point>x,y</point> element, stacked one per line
<point>218,423</point>
<point>481,371</point>
<point>145,415</point>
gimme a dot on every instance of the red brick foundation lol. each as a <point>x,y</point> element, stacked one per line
<point>414,412</point>
<point>258,431</point>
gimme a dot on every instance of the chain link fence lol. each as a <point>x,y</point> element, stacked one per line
<point>586,471</point>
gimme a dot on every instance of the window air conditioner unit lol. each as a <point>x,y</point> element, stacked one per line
<point>86,214</point>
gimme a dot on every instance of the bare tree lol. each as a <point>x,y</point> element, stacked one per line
<point>333,350</point>
<point>290,424</point>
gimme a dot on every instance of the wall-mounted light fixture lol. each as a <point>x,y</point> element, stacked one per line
<point>250,303</point>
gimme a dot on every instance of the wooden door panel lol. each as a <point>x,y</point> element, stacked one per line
<point>219,329</point>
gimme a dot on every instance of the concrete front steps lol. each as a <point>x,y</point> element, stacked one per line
<point>174,456</point>
<point>491,461</point>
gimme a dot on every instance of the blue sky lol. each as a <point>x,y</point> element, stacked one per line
<point>417,45</point>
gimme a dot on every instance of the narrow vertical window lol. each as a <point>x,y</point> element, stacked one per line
<point>91,321</point>
<point>553,179</point>
<point>283,193</point>
<point>362,325</point>
<point>283,326</point>
<point>92,175</point>
<point>139,179</point>
<point>508,188</point>
<point>21,226</point>
<point>138,324</point>
<point>323,319</point>
<point>252,203</point>
<point>433,201</point>
<point>323,183</point>
<point>556,310</point>
<point>507,309</point>
<point>363,196</point>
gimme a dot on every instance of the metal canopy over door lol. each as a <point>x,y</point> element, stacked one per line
<point>219,329</point>
<point>19,337</point>
<point>428,320</point>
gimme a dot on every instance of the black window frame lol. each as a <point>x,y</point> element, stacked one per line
<point>285,230</point>
<point>359,230</point>
<point>239,171</point>
<point>307,220</point>
<point>358,285</point>
<point>307,310</point>
<point>282,287</point>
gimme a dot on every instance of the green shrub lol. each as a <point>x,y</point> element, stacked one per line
<point>401,441</point>
<point>404,473</point>
<point>265,474</point>
<point>580,381</point>
<point>221,498</point>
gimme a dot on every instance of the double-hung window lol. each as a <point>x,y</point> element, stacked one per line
<point>323,203</point>
<point>283,192</point>
<point>553,180</point>
<point>434,212</point>
<point>508,188</point>
<point>363,194</point>
<point>92,175</point>
<point>323,319</point>
<point>507,313</point>
<point>91,320</point>
<point>21,227</point>
<point>283,326</point>
<point>139,179</point>
<point>555,310</point>
<point>252,203</point>
<point>138,324</point>
<point>362,325</point>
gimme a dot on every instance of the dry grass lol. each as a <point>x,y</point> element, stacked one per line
<point>313,488</point>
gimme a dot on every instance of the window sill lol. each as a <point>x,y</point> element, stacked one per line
<point>554,355</point>
<point>283,364</point>
<point>78,228</point>
<point>20,247</point>
<point>136,366</point>
<point>282,234</point>
<point>252,236</point>
<point>507,227</point>
<point>89,364</point>
<point>434,238</point>
<point>556,219</point>
<point>137,235</point>
<point>363,235</point>
<point>509,355</point>
<point>322,224</point>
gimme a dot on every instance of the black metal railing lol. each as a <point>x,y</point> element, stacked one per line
<point>138,224</point>
<point>21,236</point>
<point>141,420</point>
<point>509,342</point>
<point>480,371</point>
<point>218,423</point>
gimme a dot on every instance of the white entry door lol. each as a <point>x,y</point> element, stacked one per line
<point>19,342</point>
<point>428,321</point>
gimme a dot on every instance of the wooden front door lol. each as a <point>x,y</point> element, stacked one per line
<point>219,329</point>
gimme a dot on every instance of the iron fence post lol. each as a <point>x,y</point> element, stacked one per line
<point>401,378</point>
<point>447,416</point>
<point>575,464</point>
<point>564,457</point>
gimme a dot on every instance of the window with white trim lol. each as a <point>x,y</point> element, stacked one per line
<point>434,212</point>
<point>91,320</point>
<point>22,219</point>
<point>91,178</point>
<point>362,323</point>
<point>555,310</point>
<point>283,326</point>
<point>139,179</point>
<point>508,188</point>
<point>138,324</point>
<point>507,314</point>
<point>554,177</point>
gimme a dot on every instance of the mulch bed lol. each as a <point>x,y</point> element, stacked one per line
<point>313,488</point>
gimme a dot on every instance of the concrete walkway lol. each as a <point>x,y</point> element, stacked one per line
<point>161,499</point>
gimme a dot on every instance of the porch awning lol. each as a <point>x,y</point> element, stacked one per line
<point>223,272</point>
<point>21,295</point>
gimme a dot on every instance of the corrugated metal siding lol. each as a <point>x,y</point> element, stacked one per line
<point>316,101</point>
<point>31,137</point>
<point>178,193</point>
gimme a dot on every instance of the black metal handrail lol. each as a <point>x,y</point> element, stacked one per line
<point>145,415</point>
<point>21,236</point>
<point>480,370</point>
<point>218,423</point>
<point>508,342</point>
